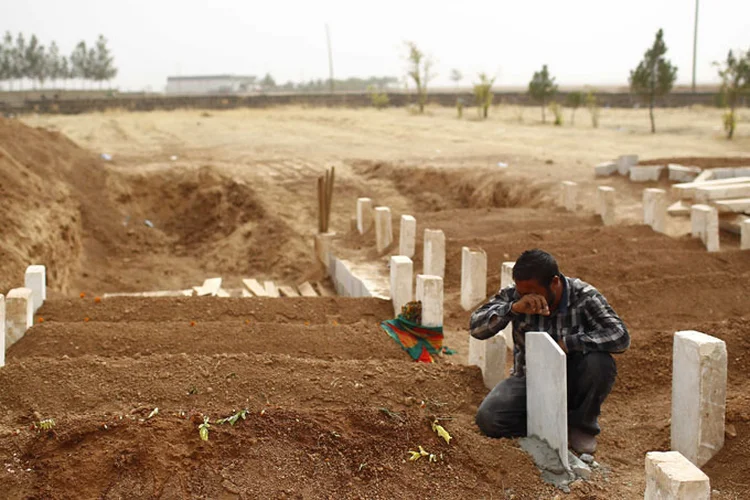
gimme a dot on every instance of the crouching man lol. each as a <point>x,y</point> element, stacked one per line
<point>579,319</point>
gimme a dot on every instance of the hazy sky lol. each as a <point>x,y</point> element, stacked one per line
<point>582,41</point>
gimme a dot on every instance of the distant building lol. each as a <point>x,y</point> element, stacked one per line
<point>210,84</point>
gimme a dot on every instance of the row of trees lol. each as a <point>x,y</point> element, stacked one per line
<point>31,60</point>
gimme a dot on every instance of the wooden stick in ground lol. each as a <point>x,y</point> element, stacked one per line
<point>329,198</point>
<point>321,206</point>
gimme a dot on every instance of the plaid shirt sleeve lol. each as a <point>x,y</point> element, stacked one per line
<point>606,331</point>
<point>493,316</point>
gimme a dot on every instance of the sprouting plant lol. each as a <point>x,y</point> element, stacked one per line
<point>232,419</point>
<point>46,425</point>
<point>203,429</point>
<point>440,430</point>
<point>153,413</point>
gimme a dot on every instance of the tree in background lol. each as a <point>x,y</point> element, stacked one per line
<point>35,61</point>
<point>735,80</point>
<point>654,76</point>
<point>574,101</point>
<point>79,62</point>
<point>419,71</point>
<point>483,94</point>
<point>456,76</point>
<point>102,62</point>
<point>53,62</point>
<point>268,82</point>
<point>593,106</point>
<point>6,59</point>
<point>20,67</point>
<point>542,87</point>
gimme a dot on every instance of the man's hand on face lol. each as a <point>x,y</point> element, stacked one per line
<point>531,304</point>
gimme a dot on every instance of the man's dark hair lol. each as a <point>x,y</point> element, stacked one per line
<point>536,265</point>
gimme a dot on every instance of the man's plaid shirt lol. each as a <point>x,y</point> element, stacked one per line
<point>583,319</point>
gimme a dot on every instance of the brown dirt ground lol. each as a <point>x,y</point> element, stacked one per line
<point>315,374</point>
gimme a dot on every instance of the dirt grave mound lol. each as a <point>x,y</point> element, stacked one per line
<point>701,161</point>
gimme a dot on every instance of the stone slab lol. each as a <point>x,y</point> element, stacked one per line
<point>323,290</point>
<point>271,290</point>
<point>36,280</point>
<point>2,329</point>
<point>430,292</point>
<point>605,169</point>
<point>323,246</point>
<point>624,163</point>
<point>650,173</point>
<point>433,260</point>
<point>402,282</point>
<point>687,190</point>
<point>364,215</point>
<point>698,217</point>
<point>210,287</point>
<point>737,205</point>
<point>710,193</point>
<point>699,390</point>
<point>307,290</point>
<point>670,476</point>
<point>255,287</point>
<point>655,209</point>
<point>473,278</point>
<point>547,393</point>
<point>407,239</point>
<point>680,173</point>
<point>506,280</point>
<point>383,229</point>
<point>712,230</point>
<point>745,235</point>
<point>569,195</point>
<point>605,204</point>
<point>679,209</point>
<point>155,293</point>
<point>288,291</point>
<point>724,173</point>
<point>19,314</point>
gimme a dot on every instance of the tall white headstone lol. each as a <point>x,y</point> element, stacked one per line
<point>19,314</point>
<point>506,280</point>
<point>606,204</point>
<point>430,292</point>
<point>407,240</point>
<point>364,215</point>
<point>2,329</point>
<point>547,393</point>
<point>699,392</point>
<point>712,230</point>
<point>698,217</point>
<point>473,277</point>
<point>433,262</point>
<point>670,476</point>
<point>745,235</point>
<point>36,280</point>
<point>655,209</point>
<point>383,228</point>
<point>569,195</point>
<point>402,281</point>
<point>624,163</point>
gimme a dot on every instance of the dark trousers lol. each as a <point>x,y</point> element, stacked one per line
<point>590,379</point>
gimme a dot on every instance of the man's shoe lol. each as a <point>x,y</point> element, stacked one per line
<point>581,441</point>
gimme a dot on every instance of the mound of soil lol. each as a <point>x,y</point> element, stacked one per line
<point>701,161</point>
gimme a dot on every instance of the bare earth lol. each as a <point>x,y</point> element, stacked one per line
<point>239,201</point>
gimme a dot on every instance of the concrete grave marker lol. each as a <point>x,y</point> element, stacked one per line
<point>407,240</point>
<point>430,292</point>
<point>323,244</point>
<point>670,476</point>
<point>699,391</point>
<point>605,169</point>
<point>547,393</point>
<point>433,261</point>
<point>307,290</point>
<point>2,329</point>
<point>679,173</point>
<point>36,280</point>
<point>569,195</point>
<point>288,291</point>
<point>383,228</point>
<point>649,173</point>
<point>712,230</point>
<point>655,209</point>
<point>606,204</point>
<point>745,235</point>
<point>271,290</point>
<point>624,163</point>
<point>256,288</point>
<point>698,217</point>
<point>473,278</point>
<point>364,215</point>
<point>402,281</point>
<point>19,314</point>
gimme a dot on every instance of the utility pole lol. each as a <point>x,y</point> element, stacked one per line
<point>695,43</point>
<point>330,57</point>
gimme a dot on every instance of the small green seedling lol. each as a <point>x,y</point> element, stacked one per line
<point>203,429</point>
<point>46,425</point>
<point>232,419</point>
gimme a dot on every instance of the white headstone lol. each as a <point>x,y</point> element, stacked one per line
<point>569,195</point>
<point>383,228</point>
<point>606,204</point>
<point>670,476</point>
<point>624,163</point>
<point>699,391</point>
<point>506,280</point>
<point>712,230</point>
<point>650,173</point>
<point>433,261</point>
<point>489,356</point>
<point>698,217</point>
<point>407,240</point>
<point>36,280</point>
<point>19,314</point>
<point>2,329</point>
<point>679,173</point>
<point>655,209</point>
<point>605,169</point>
<point>547,393</point>
<point>745,235</point>
<point>323,244</point>
<point>364,215</point>
<point>473,278</point>
<point>402,282</point>
<point>430,292</point>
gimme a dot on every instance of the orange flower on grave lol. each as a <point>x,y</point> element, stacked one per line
<point>335,323</point>
<point>86,319</point>
<point>247,321</point>
<point>192,323</point>
<point>82,295</point>
<point>40,319</point>
<point>307,323</point>
<point>97,299</point>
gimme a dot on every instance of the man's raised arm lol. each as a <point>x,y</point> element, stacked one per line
<point>493,316</point>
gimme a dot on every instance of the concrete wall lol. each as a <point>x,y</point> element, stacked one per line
<point>138,102</point>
